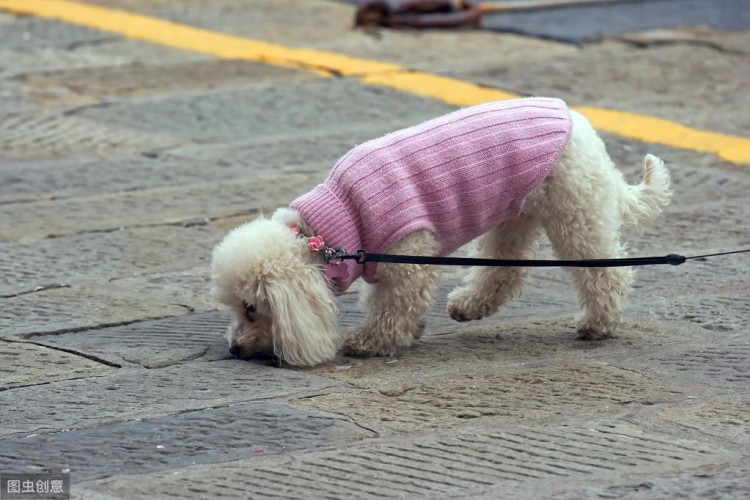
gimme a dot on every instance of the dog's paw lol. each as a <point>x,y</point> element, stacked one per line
<point>595,330</point>
<point>464,306</point>
<point>363,341</point>
<point>419,329</point>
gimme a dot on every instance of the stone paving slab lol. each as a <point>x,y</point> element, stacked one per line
<point>55,135</point>
<point>725,418</point>
<point>720,360</point>
<point>34,33</point>
<point>190,163</point>
<point>183,165</point>
<point>468,462</point>
<point>513,342</point>
<point>27,364</point>
<point>129,394</point>
<point>536,299</point>
<point>150,207</point>
<point>105,52</point>
<point>696,177</point>
<point>140,80</point>
<point>721,311</point>
<point>498,395</point>
<point>727,484</point>
<point>277,110</point>
<point>508,370</point>
<point>155,343</point>
<point>13,98</point>
<point>605,75</point>
<point>707,226</point>
<point>91,305</point>
<point>211,435</point>
<point>90,257</point>
<point>659,291</point>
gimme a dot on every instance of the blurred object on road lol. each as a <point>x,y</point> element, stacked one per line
<point>570,21</point>
<point>445,13</point>
<point>418,13</point>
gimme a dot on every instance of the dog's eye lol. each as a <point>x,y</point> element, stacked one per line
<point>249,308</point>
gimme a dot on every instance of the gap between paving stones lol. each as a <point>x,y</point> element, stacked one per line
<point>74,352</point>
<point>25,364</point>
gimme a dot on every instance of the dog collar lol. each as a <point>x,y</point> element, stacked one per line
<point>334,270</point>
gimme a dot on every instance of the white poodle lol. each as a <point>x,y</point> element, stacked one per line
<point>500,171</point>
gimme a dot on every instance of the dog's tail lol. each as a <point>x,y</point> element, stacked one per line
<point>643,202</point>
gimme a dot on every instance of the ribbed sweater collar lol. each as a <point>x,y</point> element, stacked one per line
<point>332,219</point>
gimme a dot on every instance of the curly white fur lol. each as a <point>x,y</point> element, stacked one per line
<point>581,206</point>
<point>264,265</point>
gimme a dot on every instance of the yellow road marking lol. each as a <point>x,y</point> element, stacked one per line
<point>449,90</point>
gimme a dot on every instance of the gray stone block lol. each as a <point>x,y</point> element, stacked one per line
<point>316,152</point>
<point>129,394</point>
<point>213,435</point>
<point>469,462</point>
<point>494,386</point>
<point>719,359</point>
<point>150,207</point>
<point>34,33</point>
<point>731,483</point>
<point>280,111</point>
<point>92,305</point>
<point>139,80</point>
<point>90,257</point>
<point>155,343</point>
<point>28,364</point>
<point>55,135</point>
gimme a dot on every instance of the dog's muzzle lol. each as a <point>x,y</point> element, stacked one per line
<point>235,350</point>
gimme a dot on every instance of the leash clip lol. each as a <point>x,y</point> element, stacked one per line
<point>333,255</point>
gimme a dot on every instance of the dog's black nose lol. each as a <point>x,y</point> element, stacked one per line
<point>234,350</point>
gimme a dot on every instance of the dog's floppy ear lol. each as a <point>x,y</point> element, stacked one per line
<point>305,329</point>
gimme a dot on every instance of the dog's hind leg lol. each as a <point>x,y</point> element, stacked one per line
<point>582,221</point>
<point>398,302</point>
<point>601,291</point>
<point>486,289</point>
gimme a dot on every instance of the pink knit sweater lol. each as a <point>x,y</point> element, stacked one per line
<point>456,176</point>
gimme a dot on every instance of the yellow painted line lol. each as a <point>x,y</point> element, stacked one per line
<point>452,91</point>
<point>645,128</point>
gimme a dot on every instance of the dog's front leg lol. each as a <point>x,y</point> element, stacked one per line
<point>398,303</point>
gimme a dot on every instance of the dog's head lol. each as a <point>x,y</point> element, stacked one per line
<point>281,300</point>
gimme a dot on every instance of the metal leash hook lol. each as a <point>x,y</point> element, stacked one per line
<point>334,255</point>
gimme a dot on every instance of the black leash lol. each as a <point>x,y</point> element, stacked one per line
<point>363,256</point>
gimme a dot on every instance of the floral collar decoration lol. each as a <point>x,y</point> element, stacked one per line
<point>331,256</point>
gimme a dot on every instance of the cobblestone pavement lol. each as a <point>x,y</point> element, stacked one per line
<point>123,162</point>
